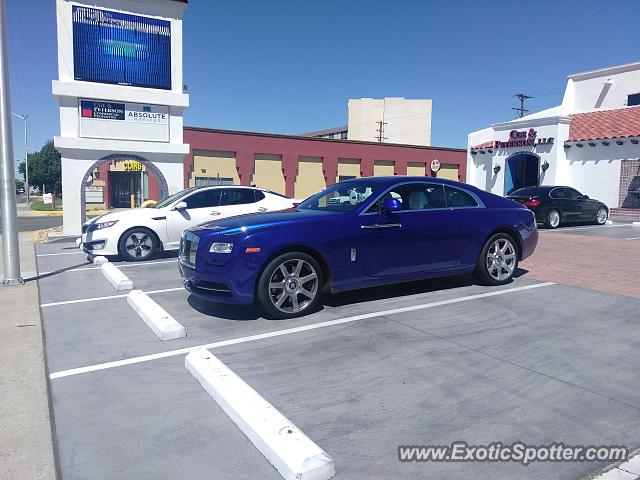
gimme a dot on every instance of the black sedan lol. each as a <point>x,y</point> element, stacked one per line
<point>554,206</point>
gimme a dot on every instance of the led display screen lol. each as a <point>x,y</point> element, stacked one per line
<point>122,49</point>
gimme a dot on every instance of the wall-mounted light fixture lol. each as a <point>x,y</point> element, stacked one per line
<point>592,144</point>
<point>496,168</point>
<point>619,142</point>
<point>545,166</point>
<point>605,143</point>
<point>634,141</point>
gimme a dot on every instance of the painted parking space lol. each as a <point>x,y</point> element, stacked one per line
<point>417,363</point>
<point>616,230</point>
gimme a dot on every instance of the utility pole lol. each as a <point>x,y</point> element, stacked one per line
<point>521,110</point>
<point>26,154</point>
<point>10,245</point>
<point>380,131</point>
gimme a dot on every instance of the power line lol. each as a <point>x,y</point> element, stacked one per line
<point>521,110</point>
<point>380,130</point>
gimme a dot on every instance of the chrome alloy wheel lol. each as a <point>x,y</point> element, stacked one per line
<point>501,259</point>
<point>138,245</point>
<point>601,216</point>
<point>554,218</point>
<point>293,285</point>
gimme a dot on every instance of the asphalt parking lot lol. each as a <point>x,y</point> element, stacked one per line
<point>415,364</point>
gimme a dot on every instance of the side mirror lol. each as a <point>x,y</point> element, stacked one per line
<point>180,206</point>
<point>391,205</point>
<point>586,197</point>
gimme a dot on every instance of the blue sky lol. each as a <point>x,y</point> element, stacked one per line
<point>290,66</point>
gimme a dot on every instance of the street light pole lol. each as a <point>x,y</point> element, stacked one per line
<point>10,245</point>
<point>26,154</point>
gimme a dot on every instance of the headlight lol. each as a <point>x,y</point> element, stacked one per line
<point>100,226</point>
<point>221,247</point>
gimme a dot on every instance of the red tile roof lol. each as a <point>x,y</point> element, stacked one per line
<point>488,144</point>
<point>623,122</point>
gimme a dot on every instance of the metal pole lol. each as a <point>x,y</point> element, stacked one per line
<point>26,160</point>
<point>10,252</point>
<point>26,154</point>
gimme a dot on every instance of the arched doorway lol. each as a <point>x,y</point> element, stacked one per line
<point>522,169</point>
<point>104,186</point>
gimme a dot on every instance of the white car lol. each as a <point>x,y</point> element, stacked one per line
<point>138,233</point>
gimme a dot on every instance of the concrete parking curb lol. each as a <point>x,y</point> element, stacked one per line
<point>156,318</point>
<point>116,278</point>
<point>289,450</point>
<point>100,260</point>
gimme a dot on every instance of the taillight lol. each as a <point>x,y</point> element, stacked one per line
<point>534,202</point>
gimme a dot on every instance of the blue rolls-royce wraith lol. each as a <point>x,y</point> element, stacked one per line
<point>354,234</point>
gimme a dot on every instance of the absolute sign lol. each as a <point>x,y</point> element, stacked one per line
<point>124,121</point>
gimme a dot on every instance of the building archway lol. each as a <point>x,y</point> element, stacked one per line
<point>522,169</point>
<point>155,177</point>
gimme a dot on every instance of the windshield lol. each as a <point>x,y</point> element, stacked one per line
<point>343,196</point>
<point>172,198</point>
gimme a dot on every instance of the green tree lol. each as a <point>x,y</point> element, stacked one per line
<point>45,169</point>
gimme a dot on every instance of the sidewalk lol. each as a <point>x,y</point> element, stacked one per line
<point>26,441</point>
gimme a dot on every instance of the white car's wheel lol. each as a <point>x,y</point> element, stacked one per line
<point>137,244</point>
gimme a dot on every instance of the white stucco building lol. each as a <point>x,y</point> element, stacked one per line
<point>405,121</point>
<point>589,142</point>
<point>120,92</point>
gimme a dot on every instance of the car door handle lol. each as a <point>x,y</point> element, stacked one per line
<point>262,209</point>
<point>213,212</point>
<point>379,226</point>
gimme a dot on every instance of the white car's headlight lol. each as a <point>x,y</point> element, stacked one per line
<point>217,247</point>
<point>100,226</point>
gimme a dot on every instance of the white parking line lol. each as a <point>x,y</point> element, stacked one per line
<point>633,238</point>
<point>288,331</point>
<point>567,229</point>
<point>120,265</point>
<point>108,297</point>
<point>61,253</point>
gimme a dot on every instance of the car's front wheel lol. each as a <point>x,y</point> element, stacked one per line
<point>498,260</point>
<point>290,285</point>
<point>601,216</point>
<point>138,244</point>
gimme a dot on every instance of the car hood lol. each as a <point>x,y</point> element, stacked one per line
<point>243,223</point>
<point>126,214</point>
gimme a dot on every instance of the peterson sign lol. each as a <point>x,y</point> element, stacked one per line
<point>523,138</point>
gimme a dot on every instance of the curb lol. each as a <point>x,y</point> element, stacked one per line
<point>287,448</point>
<point>626,470</point>
<point>59,213</point>
<point>116,278</point>
<point>157,319</point>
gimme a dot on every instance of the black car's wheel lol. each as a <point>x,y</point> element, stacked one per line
<point>290,285</point>
<point>601,216</point>
<point>553,219</point>
<point>138,244</point>
<point>498,260</point>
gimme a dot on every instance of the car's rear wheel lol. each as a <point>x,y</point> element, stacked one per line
<point>290,285</point>
<point>498,260</point>
<point>553,219</point>
<point>601,216</point>
<point>138,244</point>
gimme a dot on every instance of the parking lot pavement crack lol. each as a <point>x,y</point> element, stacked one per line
<point>515,364</point>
